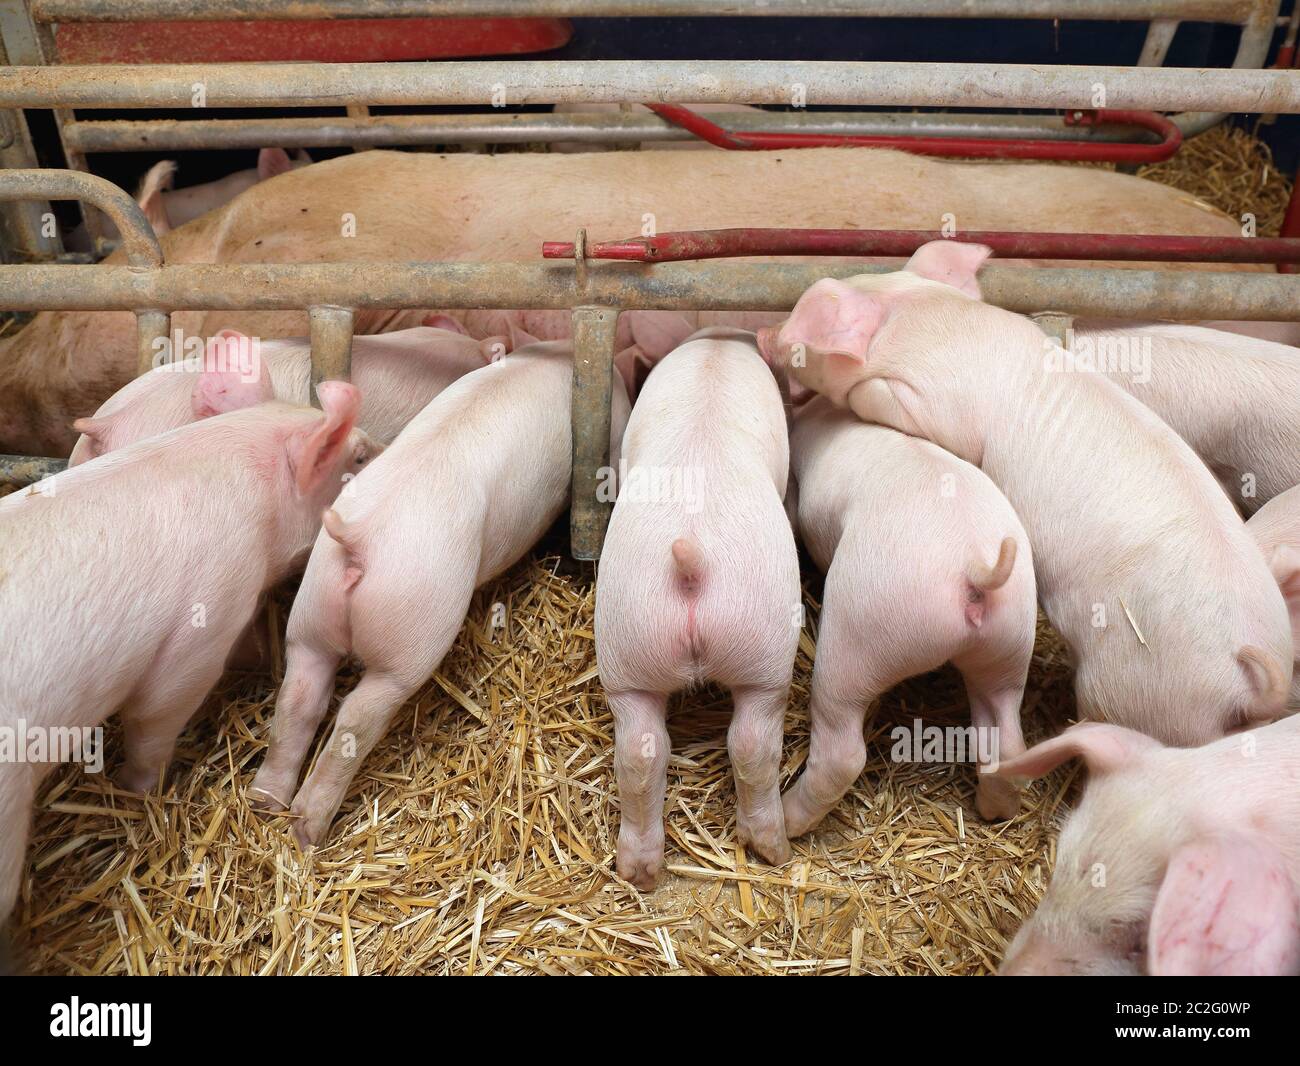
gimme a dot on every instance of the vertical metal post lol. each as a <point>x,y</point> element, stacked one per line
<point>151,327</point>
<point>331,345</point>
<point>593,364</point>
<point>25,221</point>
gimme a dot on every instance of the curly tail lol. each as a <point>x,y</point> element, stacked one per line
<point>985,578</point>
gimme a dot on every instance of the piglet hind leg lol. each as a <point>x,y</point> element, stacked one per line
<point>754,744</point>
<point>300,706</point>
<point>995,714</point>
<point>641,748</point>
<point>362,722</point>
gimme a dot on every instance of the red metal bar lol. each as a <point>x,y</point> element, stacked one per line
<point>1171,139</point>
<point>730,243</point>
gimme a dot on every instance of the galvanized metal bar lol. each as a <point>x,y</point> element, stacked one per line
<point>726,286</point>
<point>1055,325</point>
<point>153,333</point>
<point>593,365</point>
<point>138,237</point>
<point>215,10</point>
<point>26,469</point>
<point>675,81</point>
<point>126,135</point>
<point>331,345</point>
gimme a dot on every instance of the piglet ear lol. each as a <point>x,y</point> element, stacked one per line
<point>150,196</point>
<point>315,450</point>
<point>1102,747</point>
<point>444,322</point>
<point>633,366</point>
<point>832,319</point>
<point>95,432</point>
<point>494,349</point>
<point>520,336</point>
<point>272,161</point>
<point>233,376</point>
<point>1284,563</point>
<point>656,333</point>
<point>1226,907</point>
<point>952,263</point>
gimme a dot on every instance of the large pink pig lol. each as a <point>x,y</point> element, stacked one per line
<point>464,491</point>
<point>1235,399</point>
<point>1175,623</point>
<point>925,563</point>
<point>1177,861</point>
<point>397,373</point>
<point>1276,529</point>
<point>128,580</point>
<point>699,581</point>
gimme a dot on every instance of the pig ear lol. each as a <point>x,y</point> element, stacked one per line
<point>1268,682</point>
<point>634,367</point>
<point>315,450</point>
<point>444,322</point>
<point>230,379</point>
<point>272,161</point>
<point>1226,907</point>
<point>1285,566</point>
<point>302,158</point>
<point>95,431</point>
<point>520,336</point>
<point>656,333</point>
<point>1102,747</point>
<point>150,196</point>
<point>952,263</point>
<point>494,349</point>
<point>832,319</point>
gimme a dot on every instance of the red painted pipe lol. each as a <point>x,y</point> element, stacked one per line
<point>729,243</point>
<point>959,147</point>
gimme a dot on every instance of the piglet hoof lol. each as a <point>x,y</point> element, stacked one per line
<point>639,862</point>
<point>996,800</point>
<point>308,829</point>
<point>262,801</point>
<point>136,780</point>
<point>769,845</point>
<point>798,820</point>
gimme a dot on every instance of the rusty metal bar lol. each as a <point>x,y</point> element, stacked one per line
<point>676,81</point>
<point>593,365</point>
<point>1235,11</point>
<point>128,135</point>
<point>26,469</point>
<point>153,333</point>
<point>142,248</point>
<point>331,345</point>
<point>725,286</point>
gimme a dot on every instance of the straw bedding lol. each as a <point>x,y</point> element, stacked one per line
<point>479,836</point>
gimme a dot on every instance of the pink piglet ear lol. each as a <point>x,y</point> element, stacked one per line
<point>494,349</point>
<point>438,321</point>
<point>831,318</point>
<point>315,450</point>
<point>272,162</point>
<point>1102,747</point>
<point>233,376</point>
<point>952,263</point>
<point>519,336</point>
<point>1226,907</point>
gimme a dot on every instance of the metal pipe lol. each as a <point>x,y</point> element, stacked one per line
<point>26,469</point>
<point>734,243</point>
<point>125,135</point>
<point>678,81</point>
<point>153,333</point>
<point>1098,292</point>
<point>1171,139</point>
<point>142,248</point>
<point>594,330</point>
<point>214,10</point>
<point>331,345</point>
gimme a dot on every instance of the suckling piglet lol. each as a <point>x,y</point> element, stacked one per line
<point>925,563</point>
<point>126,581</point>
<point>1175,624</point>
<point>1178,861</point>
<point>699,581</point>
<point>1276,529</point>
<point>397,373</point>
<point>461,494</point>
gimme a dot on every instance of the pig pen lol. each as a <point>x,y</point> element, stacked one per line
<point>479,835</point>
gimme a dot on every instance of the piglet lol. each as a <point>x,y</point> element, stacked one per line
<point>397,373</point>
<point>1177,861</point>
<point>1176,625</point>
<point>1276,529</point>
<point>925,563</point>
<point>699,581</point>
<point>127,581</point>
<point>465,490</point>
<point>1234,399</point>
